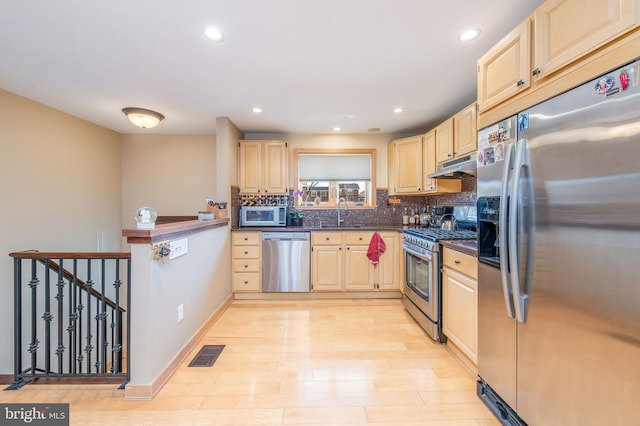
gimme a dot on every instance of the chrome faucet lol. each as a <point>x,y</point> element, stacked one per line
<point>345,209</point>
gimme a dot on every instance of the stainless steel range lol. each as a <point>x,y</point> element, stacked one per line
<point>423,280</point>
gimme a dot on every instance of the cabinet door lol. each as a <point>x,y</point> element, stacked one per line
<point>251,166</point>
<point>444,141</point>
<point>460,311</point>
<point>408,167</point>
<point>465,134</point>
<point>430,185</point>
<point>565,30</point>
<point>429,160</point>
<point>388,275</point>
<point>326,268</point>
<point>275,156</point>
<point>359,272</point>
<point>391,168</point>
<point>504,70</point>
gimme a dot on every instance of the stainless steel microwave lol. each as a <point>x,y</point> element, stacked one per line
<point>263,216</point>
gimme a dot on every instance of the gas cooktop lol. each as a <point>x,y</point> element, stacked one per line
<point>436,234</point>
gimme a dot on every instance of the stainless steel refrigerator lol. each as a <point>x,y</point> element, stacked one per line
<point>559,258</point>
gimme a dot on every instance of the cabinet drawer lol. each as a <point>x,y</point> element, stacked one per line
<point>249,281</point>
<point>460,262</point>
<point>245,238</point>
<point>326,238</point>
<point>246,265</point>
<point>246,252</point>
<point>358,237</point>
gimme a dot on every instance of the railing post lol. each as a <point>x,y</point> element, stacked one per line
<point>18,382</point>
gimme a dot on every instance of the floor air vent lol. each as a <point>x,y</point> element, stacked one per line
<point>207,356</point>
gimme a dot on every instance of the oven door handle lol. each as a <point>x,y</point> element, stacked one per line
<point>507,176</point>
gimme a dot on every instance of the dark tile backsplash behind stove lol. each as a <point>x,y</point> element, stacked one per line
<point>384,213</point>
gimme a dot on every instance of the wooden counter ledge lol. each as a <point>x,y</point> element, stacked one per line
<point>168,231</point>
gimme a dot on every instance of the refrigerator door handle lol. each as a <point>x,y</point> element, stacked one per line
<point>504,231</point>
<point>520,292</point>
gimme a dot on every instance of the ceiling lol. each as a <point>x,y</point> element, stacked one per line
<point>311,65</point>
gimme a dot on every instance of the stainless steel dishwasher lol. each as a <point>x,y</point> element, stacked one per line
<point>286,259</point>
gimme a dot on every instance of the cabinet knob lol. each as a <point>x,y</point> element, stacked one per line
<point>246,252</point>
<point>246,282</point>
<point>360,238</point>
<point>536,71</point>
<point>520,83</point>
<point>327,238</point>
<point>246,266</point>
<point>457,261</point>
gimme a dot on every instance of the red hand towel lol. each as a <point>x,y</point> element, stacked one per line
<point>376,248</point>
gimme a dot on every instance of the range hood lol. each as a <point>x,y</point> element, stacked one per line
<point>454,169</point>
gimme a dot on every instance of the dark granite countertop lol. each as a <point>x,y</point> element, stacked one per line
<point>379,228</point>
<point>469,247</point>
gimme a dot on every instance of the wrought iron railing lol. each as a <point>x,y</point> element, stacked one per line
<point>71,316</point>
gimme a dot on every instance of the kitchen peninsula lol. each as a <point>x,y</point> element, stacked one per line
<point>174,299</point>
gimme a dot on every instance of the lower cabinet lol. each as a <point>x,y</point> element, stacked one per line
<point>245,258</point>
<point>339,262</point>
<point>460,301</point>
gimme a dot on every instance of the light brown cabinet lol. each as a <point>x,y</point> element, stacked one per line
<point>460,301</point>
<point>339,262</point>
<point>465,133</point>
<point>246,258</point>
<point>263,167</point>
<point>505,69</point>
<point>407,165</point>
<point>444,141</point>
<point>457,136</point>
<point>430,185</point>
<point>547,46</point>
<point>412,159</point>
<point>326,261</point>
<point>566,30</point>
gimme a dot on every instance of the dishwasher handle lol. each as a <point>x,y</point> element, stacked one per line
<point>285,236</point>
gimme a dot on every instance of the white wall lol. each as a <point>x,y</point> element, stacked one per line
<point>60,189</point>
<point>174,174</point>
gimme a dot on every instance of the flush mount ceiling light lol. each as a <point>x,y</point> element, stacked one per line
<point>257,110</point>
<point>214,34</point>
<point>469,35</point>
<point>336,129</point>
<point>144,118</point>
<point>398,110</point>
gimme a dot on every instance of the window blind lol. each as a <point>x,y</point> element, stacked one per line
<point>334,167</point>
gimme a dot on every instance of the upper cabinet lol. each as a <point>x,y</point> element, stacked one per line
<point>444,141</point>
<point>457,136</point>
<point>408,165</point>
<point>566,30</point>
<point>465,134</point>
<point>263,167</point>
<point>504,70</point>
<point>431,185</point>
<point>551,49</point>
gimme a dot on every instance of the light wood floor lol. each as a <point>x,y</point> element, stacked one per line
<point>350,362</point>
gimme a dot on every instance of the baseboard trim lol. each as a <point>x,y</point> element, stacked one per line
<point>6,379</point>
<point>339,295</point>
<point>146,392</point>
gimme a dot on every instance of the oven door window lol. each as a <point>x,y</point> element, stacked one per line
<point>419,276</point>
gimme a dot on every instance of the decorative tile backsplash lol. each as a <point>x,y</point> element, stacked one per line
<point>384,213</point>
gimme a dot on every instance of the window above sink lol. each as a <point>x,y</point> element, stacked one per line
<point>324,176</point>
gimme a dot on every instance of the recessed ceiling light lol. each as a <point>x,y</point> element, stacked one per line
<point>213,34</point>
<point>336,129</point>
<point>469,35</point>
<point>257,110</point>
<point>398,110</point>
<point>374,129</point>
